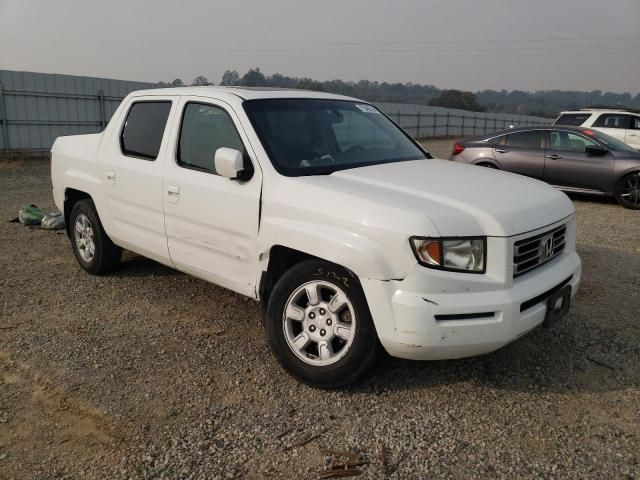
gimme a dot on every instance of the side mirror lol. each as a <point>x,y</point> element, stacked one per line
<point>596,150</point>
<point>228,162</point>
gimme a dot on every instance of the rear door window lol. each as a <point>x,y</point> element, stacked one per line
<point>573,119</point>
<point>613,120</point>
<point>143,129</point>
<point>532,139</point>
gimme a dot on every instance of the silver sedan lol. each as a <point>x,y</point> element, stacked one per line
<point>570,158</point>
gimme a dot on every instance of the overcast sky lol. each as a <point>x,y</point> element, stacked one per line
<point>465,44</point>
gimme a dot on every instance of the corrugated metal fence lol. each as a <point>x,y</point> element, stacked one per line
<point>423,121</point>
<point>35,108</point>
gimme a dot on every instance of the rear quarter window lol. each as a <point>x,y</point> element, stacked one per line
<point>143,129</point>
<point>497,140</point>
<point>573,119</point>
<point>529,139</point>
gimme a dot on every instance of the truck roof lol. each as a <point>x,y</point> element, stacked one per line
<point>246,93</point>
<point>582,111</point>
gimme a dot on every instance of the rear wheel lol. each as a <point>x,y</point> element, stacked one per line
<point>94,250</point>
<point>627,191</point>
<point>319,326</point>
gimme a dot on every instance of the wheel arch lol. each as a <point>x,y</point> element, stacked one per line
<point>281,259</point>
<point>71,197</point>
<point>80,186</point>
<point>635,169</point>
<point>491,161</point>
<point>627,171</point>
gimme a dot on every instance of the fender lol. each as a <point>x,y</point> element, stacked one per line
<point>363,256</point>
<point>90,185</point>
<point>74,165</point>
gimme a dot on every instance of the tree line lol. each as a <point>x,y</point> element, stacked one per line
<point>544,103</point>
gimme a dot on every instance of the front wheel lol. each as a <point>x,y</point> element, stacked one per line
<point>627,191</point>
<point>319,326</point>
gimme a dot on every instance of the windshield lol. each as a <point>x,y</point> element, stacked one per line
<point>316,136</point>
<point>612,143</point>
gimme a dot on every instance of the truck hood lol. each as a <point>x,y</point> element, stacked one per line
<point>458,199</point>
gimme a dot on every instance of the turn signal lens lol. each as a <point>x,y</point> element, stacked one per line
<point>429,251</point>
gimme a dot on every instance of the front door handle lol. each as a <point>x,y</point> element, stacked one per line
<point>554,156</point>
<point>173,191</point>
<point>110,176</point>
<point>502,150</point>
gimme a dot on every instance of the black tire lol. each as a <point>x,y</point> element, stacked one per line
<point>365,348</point>
<point>627,191</point>
<point>487,165</point>
<point>107,255</point>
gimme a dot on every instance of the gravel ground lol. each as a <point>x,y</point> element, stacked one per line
<point>149,373</point>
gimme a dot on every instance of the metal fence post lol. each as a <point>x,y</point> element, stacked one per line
<point>418,125</point>
<point>3,120</point>
<point>435,123</point>
<point>446,127</point>
<point>484,128</point>
<point>475,123</point>
<point>103,116</point>
<point>462,126</point>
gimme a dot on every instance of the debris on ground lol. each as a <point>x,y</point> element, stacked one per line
<point>32,216</point>
<point>339,473</point>
<point>52,221</point>
<point>304,440</point>
<point>342,469</point>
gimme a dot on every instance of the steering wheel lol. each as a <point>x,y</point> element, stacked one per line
<point>354,148</point>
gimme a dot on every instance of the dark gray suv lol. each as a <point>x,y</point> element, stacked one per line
<point>570,158</point>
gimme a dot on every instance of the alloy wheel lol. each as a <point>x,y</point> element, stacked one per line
<point>319,323</point>
<point>84,237</point>
<point>630,190</point>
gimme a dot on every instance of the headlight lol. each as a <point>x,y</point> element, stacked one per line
<point>454,254</point>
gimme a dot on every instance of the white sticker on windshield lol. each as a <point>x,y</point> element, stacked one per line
<point>367,108</point>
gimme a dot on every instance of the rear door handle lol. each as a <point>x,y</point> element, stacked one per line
<point>554,156</point>
<point>173,191</point>
<point>502,150</point>
<point>110,176</point>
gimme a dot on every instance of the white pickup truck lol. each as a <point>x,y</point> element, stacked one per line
<point>353,237</point>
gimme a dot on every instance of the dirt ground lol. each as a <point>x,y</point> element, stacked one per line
<point>149,373</point>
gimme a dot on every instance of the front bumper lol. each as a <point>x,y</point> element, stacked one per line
<point>421,318</point>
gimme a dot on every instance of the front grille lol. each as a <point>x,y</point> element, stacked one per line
<point>530,253</point>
